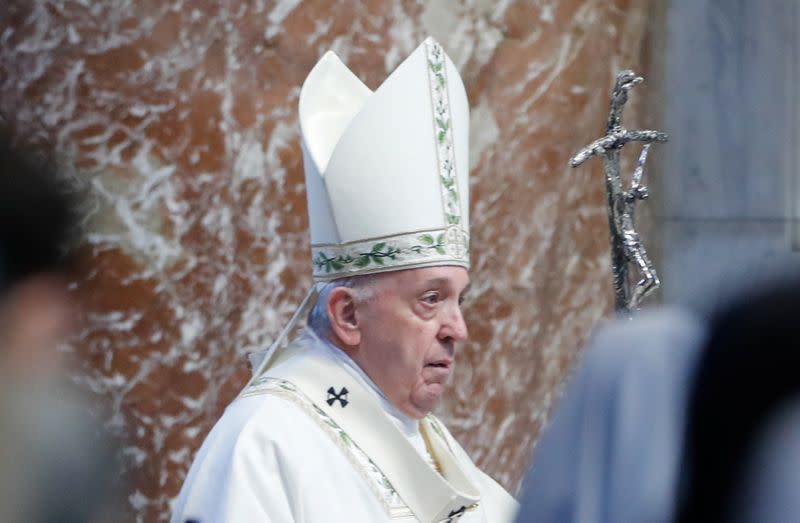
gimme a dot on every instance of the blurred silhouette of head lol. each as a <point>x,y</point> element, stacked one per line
<point>56,461</point>
<point>747,376</point>
<point>38,226</point>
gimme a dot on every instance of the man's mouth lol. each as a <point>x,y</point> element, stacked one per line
<point>442,364</point>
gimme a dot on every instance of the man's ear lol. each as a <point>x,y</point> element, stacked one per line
<point>341,309</point>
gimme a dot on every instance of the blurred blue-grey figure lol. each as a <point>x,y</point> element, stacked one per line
<point>55,461</point>
<point>771,480</point>
<point>742,446</point>
<point>611,452</point>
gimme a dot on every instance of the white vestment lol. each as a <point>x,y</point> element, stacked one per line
<point>314,440</point>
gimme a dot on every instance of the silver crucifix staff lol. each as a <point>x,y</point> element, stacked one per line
<point>626,245</point>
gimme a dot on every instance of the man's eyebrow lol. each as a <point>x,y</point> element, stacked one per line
<point>444,281</point>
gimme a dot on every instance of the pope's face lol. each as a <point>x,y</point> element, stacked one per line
<point>409,330</point>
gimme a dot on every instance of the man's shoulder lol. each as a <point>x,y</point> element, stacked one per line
<point>264,416</point>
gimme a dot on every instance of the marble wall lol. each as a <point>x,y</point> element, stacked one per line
<point>179,117</point>
<point>730,201</point>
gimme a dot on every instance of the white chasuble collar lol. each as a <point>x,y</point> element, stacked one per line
<point>409,426</point>
<point>348,403</point>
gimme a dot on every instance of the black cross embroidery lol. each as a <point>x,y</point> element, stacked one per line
<point>456,514</point>
<point>341,396</point>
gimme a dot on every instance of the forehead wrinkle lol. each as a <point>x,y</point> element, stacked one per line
<point>446,282</point>
<point>407,280</point>
<point>437,281</point>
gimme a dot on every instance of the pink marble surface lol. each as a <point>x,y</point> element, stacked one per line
<point>180,118</point>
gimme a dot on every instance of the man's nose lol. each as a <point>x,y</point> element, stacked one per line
<point>454,325</point>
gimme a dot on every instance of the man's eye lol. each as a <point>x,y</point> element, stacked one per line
<point>431,298</point>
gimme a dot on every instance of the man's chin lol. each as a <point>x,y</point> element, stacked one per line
<point>426,400</point>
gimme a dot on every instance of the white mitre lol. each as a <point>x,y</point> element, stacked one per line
<point>387,172</point>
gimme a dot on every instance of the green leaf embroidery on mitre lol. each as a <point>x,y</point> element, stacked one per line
<point>443,132</point>
<point>403,250</point>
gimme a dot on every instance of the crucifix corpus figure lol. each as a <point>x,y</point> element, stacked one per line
<point>626,244</point>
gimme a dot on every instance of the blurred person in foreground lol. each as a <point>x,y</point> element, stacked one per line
<point>611,453</point>
<point>741,459</point>
<point>672,417</point>
<point>337,427</point>
<point>53,465</point>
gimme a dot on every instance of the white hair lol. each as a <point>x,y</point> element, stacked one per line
<point>318,320</point>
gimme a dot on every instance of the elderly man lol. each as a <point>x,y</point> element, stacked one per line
<point>336,427</point>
